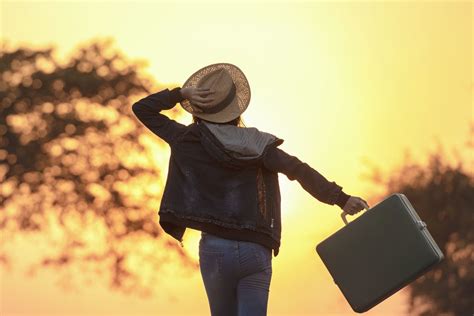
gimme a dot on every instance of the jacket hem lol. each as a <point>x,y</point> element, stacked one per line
<point>231,231</point>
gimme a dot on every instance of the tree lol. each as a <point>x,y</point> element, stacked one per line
<point>78,167</point>
<point>443,196</point>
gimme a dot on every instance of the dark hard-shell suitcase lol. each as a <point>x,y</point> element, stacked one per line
<point>379,253</point>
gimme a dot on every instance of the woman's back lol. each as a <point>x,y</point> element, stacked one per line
<point>211,189</point>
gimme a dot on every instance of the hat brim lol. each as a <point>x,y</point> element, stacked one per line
<point>237,106</point>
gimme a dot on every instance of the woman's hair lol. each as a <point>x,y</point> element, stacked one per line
<point>237,121</point>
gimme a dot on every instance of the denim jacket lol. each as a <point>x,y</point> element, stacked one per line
<point>216,179</point>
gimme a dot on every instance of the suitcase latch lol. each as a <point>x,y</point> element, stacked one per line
<point>421,225</point>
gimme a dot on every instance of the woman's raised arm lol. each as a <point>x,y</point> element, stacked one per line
<point>147,110</point>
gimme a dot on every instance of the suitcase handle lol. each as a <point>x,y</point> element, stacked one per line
<point>344,214</point>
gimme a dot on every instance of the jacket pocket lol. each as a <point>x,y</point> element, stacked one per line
<point>265,204</point>
<point>261,194</point>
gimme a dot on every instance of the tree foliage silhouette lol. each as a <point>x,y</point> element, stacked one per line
<point>78,167</point>
<point>443,196</point>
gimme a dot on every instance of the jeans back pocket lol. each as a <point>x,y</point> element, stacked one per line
<point>210,263</point>
<point>264,256</point>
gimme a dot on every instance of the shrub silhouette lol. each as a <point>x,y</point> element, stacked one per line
<point>443,196</point>
<point>77,167</point>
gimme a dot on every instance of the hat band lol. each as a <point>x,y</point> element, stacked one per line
<point>221,105</point>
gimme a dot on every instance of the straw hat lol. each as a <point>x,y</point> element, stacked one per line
<point>231,96</point>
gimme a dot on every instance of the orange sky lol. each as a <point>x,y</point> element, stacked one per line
<point>341,83</point>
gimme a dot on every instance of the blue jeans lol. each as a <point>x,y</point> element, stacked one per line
<point>236,275</point>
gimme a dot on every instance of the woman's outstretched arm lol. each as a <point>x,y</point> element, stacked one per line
<point>311,180</point>
<point>147,110</point>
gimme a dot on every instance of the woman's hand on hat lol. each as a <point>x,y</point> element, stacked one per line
<point>198,96</point>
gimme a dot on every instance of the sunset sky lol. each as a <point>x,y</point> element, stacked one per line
<point>345,84</point>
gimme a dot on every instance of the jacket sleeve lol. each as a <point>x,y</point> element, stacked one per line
<point>311,180</point>
<point>147,110</point>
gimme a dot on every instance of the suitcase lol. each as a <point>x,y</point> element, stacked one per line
<point>379,253</point>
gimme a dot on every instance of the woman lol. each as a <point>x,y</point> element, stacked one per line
<point>223,180</point>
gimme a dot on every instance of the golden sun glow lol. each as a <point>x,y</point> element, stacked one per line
<point>342,83</point>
